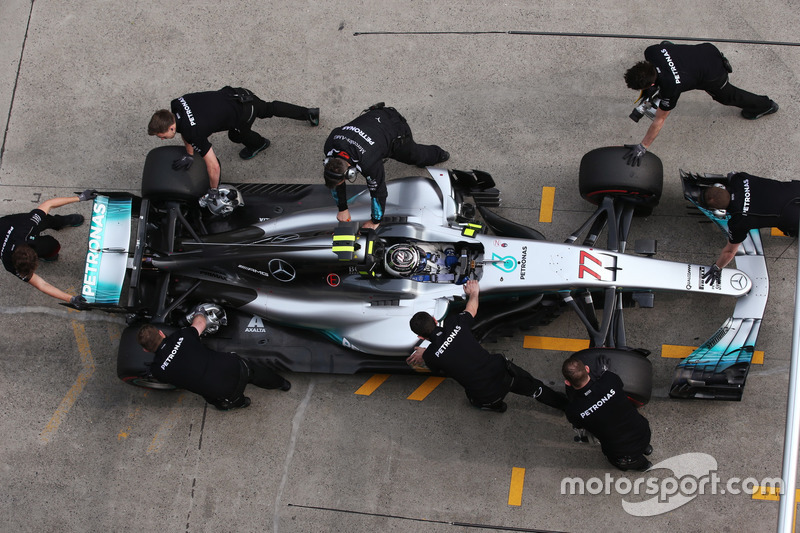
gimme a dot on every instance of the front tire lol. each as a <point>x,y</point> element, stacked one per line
<point>634,369</point>
<point>604,172</point>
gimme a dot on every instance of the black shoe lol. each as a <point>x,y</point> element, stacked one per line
<point>286,385</point>
<point>773,108</point>
<point>632,463</point>
<point>248,153</point>
<point>444,157</point>
<point>313,116</point>
<point>62,221</point>
<point>648,450</point>
<point>74,220</point>
<point>497,407</point>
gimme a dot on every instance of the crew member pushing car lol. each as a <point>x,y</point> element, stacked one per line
<point>677,68</point>
<point>23,245</point>
<point>220,377</point>
<point>486,378</point>
<point>752,203</point>
<point>361,146</point>
<point>197,115</point>
<point>601,407</point>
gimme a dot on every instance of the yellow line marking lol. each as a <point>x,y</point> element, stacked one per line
<point>114,333</point>
<point>546,209</point>
<point>426,388</point>
<point>554,343</point>
<point>372,384</point>
<point>767,493</point>
<point>674,351</point>
<point>125,433</point>
<point>775,232</point>
<point>772,494</point>
<point>515,490</point>
<point>165,427</point>
<point>87,363</point>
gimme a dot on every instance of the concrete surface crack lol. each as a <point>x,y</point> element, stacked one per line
<point>16,83</point>
<point>196,466</point>
<point>296,421</point>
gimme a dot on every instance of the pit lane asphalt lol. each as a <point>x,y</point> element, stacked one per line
<point>80,451</point>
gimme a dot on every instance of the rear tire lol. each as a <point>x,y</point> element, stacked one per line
<point>148,383</point>
<point>633,368</point>
<point>133,363</point>
<point>604,172</point>
<point>161,182</point>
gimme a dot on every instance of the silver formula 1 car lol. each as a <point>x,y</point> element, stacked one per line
<point>309,295</point>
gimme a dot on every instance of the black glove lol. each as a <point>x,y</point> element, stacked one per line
<point>634,154</point>
<point>79,302</point>
<point>183,163</point>
<point>87,195</point>
<point>603,363</point>
<point>713,274</point>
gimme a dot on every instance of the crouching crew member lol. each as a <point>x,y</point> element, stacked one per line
<point>601,407</point>
<point>23,245</point>
<point>678,68</point>
<point>197,115</point>
<point>220,377</point>
<point>486,378</point>
<point>361,146</point>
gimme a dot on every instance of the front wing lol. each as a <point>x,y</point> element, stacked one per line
<point>718,369</point>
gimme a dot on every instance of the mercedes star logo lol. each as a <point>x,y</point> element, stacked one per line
<point>738,281</point>
<point>281,270</point>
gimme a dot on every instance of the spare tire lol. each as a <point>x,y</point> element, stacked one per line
<point>161,182</point>
<point>604,172</point>
<point>634,369</point>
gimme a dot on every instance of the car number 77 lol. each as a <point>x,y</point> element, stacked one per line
<point>596,267</point>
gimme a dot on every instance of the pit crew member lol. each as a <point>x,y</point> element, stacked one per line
<point>677,68</point>
<point>752,202</point>
<point>197,115</point>
<point>486,378</point>
<point>23,245</point>
<point>182,360</point>
<point>601,407</point>
<point>361,146</point>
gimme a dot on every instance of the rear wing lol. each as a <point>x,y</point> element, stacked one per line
<point>107,254</point>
